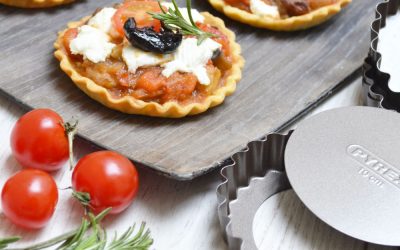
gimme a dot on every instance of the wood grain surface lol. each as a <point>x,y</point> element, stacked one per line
<point>285,74</point>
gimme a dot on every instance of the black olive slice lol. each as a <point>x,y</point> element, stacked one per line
<point>217,53</point>
<point>148,39</point>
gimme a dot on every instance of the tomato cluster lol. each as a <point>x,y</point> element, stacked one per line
<point>39,142</point>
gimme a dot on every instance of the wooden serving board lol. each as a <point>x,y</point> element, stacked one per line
<point>285,74</point>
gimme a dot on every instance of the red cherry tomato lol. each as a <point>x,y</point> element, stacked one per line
<point>137,9</point>
<point>38,140</point>
<point>109,178</point>
<point>29,198</point>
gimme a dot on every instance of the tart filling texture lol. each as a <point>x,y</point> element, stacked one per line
<point>105,56</point>
<point>285,15</point>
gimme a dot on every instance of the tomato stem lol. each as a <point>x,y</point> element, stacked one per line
<point>71,129</point>
<point>83,198</point>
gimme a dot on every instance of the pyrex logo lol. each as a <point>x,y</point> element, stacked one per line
<point>374,168</point>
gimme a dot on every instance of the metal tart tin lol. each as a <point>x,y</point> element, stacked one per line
<point>343,164</point>
<point>376,91</point>
<point>261,162</point>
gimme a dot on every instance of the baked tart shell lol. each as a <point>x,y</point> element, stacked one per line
<point>34,3</point>
<point>306,21</point>
<point>171,109</point>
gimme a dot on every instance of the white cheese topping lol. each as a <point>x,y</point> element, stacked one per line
<point>260,8</point>
<point>189,57</point>
<point>192,58</point>
<point>135,58</point>
<point>92,43</point>
<point>103,19</point>
<point>388,46</point>
<point>197,17</point>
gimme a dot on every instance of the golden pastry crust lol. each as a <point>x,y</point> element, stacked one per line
<point>308,20</point>
<point>131,105</point>
<point>34,3</point>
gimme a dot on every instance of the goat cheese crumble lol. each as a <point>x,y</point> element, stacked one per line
<point>136,58</point>
<point>92,43</point>
<point>103,19</point>
<point>260,8</point>
<point>192,58</point>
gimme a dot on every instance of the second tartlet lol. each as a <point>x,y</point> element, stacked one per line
<point>34,3</point>
<point>280,15</point>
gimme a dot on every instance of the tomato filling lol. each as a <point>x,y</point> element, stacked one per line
<point>287,8</point>
<point>148,83</point>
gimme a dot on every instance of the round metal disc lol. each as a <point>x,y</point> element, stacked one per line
<point>344,164</point>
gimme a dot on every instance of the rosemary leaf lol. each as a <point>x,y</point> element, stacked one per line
<point>77,237</point>
<point>140,241</point>
<point>174,20</point>
<point>91,236</point>
<point>67,237</point>
<point>4,242</point>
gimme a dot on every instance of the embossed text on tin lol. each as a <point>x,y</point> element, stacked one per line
<point>377,165</point>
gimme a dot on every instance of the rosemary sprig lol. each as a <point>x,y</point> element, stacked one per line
<point>67,237</point>
<point>4,242</point>
<point>80,241</point>
<point>174,20</point>
<point>140,241</point>
<point>91,236</point>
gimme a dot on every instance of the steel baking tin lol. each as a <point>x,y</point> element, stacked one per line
<point>376,91</point>
<point>344,165</point>
<point>262,165</point>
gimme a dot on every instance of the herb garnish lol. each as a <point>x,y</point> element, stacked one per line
<point>174,20</point>
<point>90,235</point>
<point>4,242</point>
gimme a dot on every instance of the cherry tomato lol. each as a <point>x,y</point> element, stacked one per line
<point>38,140</point>
<point>109,178</point>
<point>139,10</point>
<point>29,198</point>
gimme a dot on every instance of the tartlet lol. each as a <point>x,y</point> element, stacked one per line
<point>34,3</point>
<point>286,23</point>
<point>132,104</point>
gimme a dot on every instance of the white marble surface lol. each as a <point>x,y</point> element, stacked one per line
<point>182,215</point>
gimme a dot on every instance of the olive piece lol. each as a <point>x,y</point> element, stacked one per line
<point>296,7</point>
<point>148,39</point>
<point>217,53</point>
